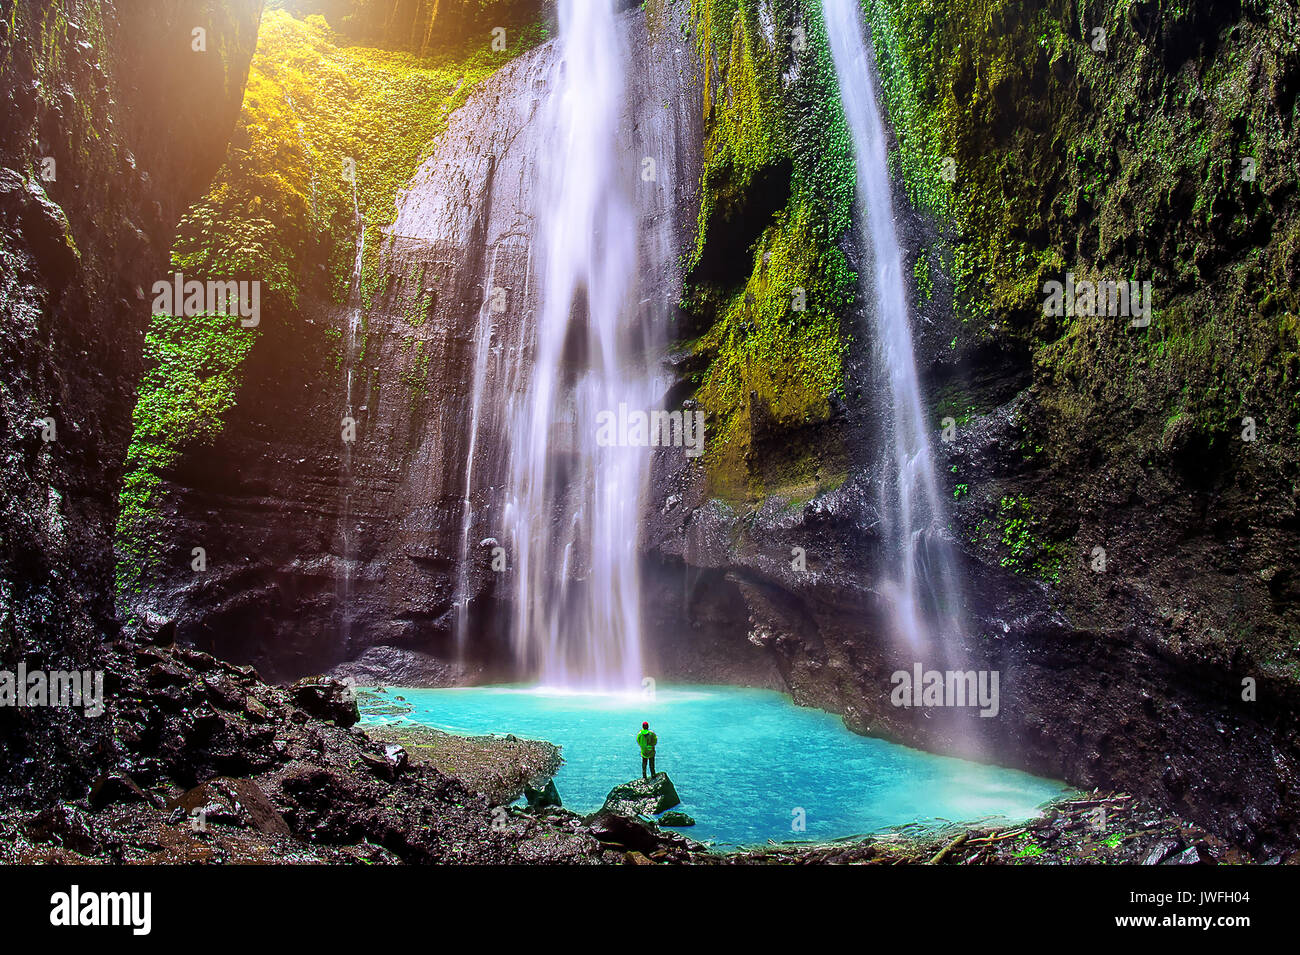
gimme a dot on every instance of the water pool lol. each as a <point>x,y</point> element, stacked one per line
<point>748,764</point>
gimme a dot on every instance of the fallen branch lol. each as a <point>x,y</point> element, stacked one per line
<point>1102,801</point>
<point>942,853</point>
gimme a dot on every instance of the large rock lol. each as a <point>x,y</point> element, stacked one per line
<point>676,819</point>
<point>613,829</point>
<point>395,666</point>
<point>239,802</point>
<point>642,797</point>
<point>326,699</point>
<point>545,798</point>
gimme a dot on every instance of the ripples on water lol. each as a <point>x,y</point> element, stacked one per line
<point>744,761</point>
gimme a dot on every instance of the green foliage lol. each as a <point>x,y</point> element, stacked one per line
<point>764,353</point>
<point>417,376</point>
<point>314,111</point>
<point>921,274</point>
<point>1118,163</point>
<point>1028,851</point>
<point>188,387</point>
<point>790,360</point>
<point>283,203</point>
<point>1024,551</point>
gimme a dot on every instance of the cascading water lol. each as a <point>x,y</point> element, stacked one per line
<point>925,590</point>
<point>572,506</point>
<point>484,346</point>
<point>344,582</point>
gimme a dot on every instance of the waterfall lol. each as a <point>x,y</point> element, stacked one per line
<point>923,587</point>
<point>572,507</point>
<point>486,342</point>
<point>343,581</point>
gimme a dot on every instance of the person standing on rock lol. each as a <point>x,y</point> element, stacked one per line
<point>647,740</point>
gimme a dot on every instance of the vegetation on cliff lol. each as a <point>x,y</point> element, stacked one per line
<point>768,282</point>
<point>328,135</point>
<point>1121,141</point>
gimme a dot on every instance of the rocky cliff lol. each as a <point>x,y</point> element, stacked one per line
<point>320,549</point>
<point>1124,495</point>
<point>114,123</point>
<point>193,759</point>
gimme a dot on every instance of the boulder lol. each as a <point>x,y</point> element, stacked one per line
<point>158,629</point>
<point>612,829</point>
<point>676,819</point>
<point>224,692</point>
<point>642,797</point>
<point>388,765</point>
<point>65,826</point>
<point>1161,851</point>
<point>1193,855</point>
<point>327,699</point>
<point>116,787</point>
<point>238,802</point>
<point>393,666</point>
<point>546,797</point>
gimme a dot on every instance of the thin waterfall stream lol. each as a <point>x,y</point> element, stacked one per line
<point>348,425</point>
<point>925,589</point>
<point>485,331</point>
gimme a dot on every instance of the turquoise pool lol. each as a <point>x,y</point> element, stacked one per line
<point>749,765</point>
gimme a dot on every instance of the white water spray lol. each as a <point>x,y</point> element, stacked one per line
<point>572,507</point>
<point>485,344</point>
<point>344,586</point>
<point>925,588</point>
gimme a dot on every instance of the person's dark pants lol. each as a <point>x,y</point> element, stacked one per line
<point>651,761</point>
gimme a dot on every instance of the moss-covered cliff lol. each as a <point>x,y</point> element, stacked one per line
<point>329,133</point>
<point>114,122</point>
<point>1123,486</point>
<point>1151,142</point>
<point>768,282</point>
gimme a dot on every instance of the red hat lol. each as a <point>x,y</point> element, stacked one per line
<point>645,725</point>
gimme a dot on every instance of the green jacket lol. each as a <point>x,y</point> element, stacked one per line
<point>646,740</point>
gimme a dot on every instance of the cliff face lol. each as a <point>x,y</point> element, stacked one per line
<point>1123,494</point>
<point>113,124</point>
<point>320,549</point>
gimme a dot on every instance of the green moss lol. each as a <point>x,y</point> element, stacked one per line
<point>765,352</point>
<point>328,132</point>
<point>285,202</point>
<point>416,376</point>
<point>1111,163</point>
<point>921,275</point>
<point>187,389</point>
<point>774,343</point>
<point>1023,549</point>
